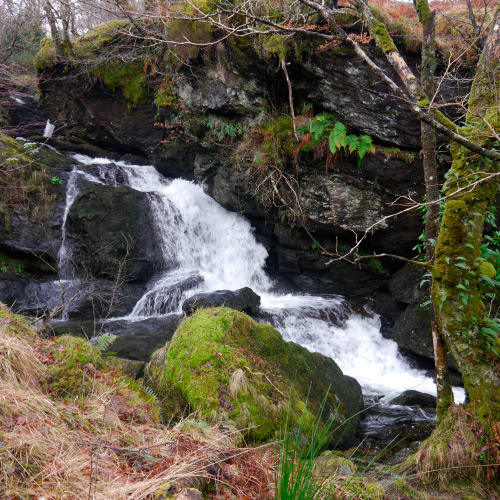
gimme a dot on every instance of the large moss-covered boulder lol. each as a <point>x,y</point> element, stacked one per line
<point>225,366</point>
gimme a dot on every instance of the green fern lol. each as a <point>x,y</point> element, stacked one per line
<point>325,126</point>
<point>104,341</point>
<point>338,138</point>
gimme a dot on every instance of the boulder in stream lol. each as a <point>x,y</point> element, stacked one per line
<point>225,366</point>
<point>414,398</point>
<point>244,299</point>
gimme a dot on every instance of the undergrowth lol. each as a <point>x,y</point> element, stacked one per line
<point>98,434</point>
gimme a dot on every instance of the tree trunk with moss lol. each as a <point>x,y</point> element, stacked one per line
<point>428,136</point>
<point>458,266</point>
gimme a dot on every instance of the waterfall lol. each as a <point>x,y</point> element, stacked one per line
<point>64,263</point>
<point>207,248</point>
<point>49,129</point>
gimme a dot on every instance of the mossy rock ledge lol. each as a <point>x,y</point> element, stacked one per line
<point>226,367</point>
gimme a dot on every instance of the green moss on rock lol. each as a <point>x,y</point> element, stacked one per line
<point>225,366</point>
<point>75,361</point>
<point>129,78</point>
<point>74,351</point>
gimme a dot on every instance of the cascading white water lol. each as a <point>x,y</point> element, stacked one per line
<point>208,248</point>
<point>198,237</point>
<point>49,129</point>
<point>64,264</point>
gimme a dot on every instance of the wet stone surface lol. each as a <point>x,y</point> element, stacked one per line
<point>394,428</point>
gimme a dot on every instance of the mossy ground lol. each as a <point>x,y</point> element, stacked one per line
<point>226,366</point>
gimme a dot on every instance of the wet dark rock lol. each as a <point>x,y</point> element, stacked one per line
<point>414,398</point>
<point>33,241</point>
<point>244,299</point>
<point>108,226</point>
<point>395,426</point>
<point>327,198</point>
<point>405,285</point>
<point>412,330</point>
<point>136,340</point>
<point>388,309</point>
<point>11,289</point>
<point>23,113</point>
<point>85,300</point>
<point>336,81</point>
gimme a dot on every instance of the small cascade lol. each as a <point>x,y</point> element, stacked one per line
<point>49,129</point>
<point>166,294</point>
<point>352,339</point>
<point>64,263</point>
<point>207,248</point>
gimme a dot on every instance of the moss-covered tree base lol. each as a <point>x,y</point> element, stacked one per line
<point>460,452</point>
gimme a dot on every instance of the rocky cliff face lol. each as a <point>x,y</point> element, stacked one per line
<point>182,123</point>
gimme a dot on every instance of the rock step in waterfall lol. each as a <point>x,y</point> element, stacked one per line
<point>205,248</point>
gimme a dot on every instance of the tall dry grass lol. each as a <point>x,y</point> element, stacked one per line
<point>98,446</point>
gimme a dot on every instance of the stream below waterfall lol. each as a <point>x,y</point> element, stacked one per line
<point>206,248</point>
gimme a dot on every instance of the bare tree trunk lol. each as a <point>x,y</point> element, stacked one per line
<point>54,30</point>
<point>290,98</point>
<point>428,136</point>
<point>475,27</point>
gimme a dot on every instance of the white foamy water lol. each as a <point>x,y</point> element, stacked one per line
<point>64,264</point>
<point>207,248</point>
<point>49,129</point>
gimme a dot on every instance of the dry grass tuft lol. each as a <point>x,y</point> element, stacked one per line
<point>19,365</point>
<point>460,449</point>
<point>238,383</point>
